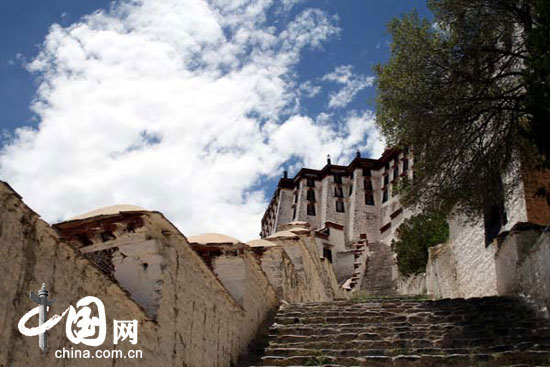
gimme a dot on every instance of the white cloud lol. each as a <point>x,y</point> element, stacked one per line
<point>309,89</point>
<point>351,85</point>
<point>176,106</point>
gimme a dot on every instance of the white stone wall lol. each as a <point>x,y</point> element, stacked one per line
<point>329,213</point>
<point>343,265</point>
<point>284,210</point>
<point>534,273</point>
<point>198,323</point>
<point>316,275</point>
<point>523,266</point>
<point>475,266</point>
<point>231,271</point>
<point>511,252</point>
<point>138,269</point>
<point>441,276</point>
<point>412,285</point>
<point>364,219</point>
<point>282,274</point>
<point>465,267</point>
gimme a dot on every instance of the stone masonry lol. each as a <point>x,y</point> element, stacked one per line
<point>480,332</point>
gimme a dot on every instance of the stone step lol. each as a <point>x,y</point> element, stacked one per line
<point>513,358</point>
<point>405,332</point>
<point>377,344</point>
<point>390,320</point>
<point>392,352</point>
<point>329,328</point>
<point>441,339</point>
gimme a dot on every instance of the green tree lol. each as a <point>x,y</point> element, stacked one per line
<point>465,91</point>
<point>416,235</point>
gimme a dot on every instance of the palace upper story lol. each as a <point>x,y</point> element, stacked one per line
<point>362,197</point>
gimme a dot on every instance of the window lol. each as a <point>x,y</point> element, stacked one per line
<point>311,195</point>
<point>386,180</point>
<point>310,209</point>
<point>294,213</point>
<point>338,192</point>
<point>494,217</point>
<point>340,206</point>
<point>385,196</point>
<point>368,184</point>
<point>327,254</point>
<point>369,198</point>
<point>295,197</point>
<point>387,165</point>
<point>366,172</point>
<point>310,182</point>
<point>350,190</point>
<point>396,172</point>
<point>337,179</point>
<point>405,164</point>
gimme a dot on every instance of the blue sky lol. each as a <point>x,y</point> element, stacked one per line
<point>184,106</point>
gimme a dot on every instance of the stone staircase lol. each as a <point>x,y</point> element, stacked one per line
<point>378,276</point>
<point>399,332</point>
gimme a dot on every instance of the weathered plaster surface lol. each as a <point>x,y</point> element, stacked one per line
<point>198,323</point>
<point>412,285</point>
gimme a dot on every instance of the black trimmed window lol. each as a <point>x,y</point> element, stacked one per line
<point>340,206</point>
<point>405,164</point>
<point>395,172</point>
<point>366,172</point>
<point>311,209</point>
<point>385,196</point>
<point>338,192</point>
<point>310,182</point>
<point>327,254</point>
<point>337,179</point>
<point>386,180</point>
<point>494,215</point>
<point>350,190</point>
<point>368,184</point>
<point>311,195</point>
<point>295,197</point>
<point>369,198</point>
<point>387,165</point>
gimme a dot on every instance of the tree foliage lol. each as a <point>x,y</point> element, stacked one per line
<point>469,92</point>
<point>416,235</point>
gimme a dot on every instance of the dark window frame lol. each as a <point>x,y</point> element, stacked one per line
<point>369,195</point>
<point>311,209</point>
<point>327,254</point>
<point>368,184</point>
